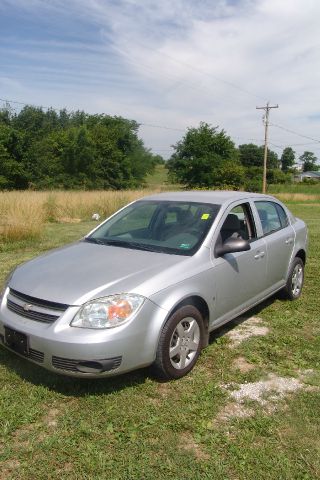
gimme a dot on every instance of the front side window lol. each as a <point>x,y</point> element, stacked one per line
<point>238,224</point>
<point>272,216</point>
<point>161,226</point>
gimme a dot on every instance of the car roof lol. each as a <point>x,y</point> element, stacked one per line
<point>218,197</point>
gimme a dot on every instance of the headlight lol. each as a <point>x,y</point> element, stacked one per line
<point>108,312</point>
<point>6,282</point>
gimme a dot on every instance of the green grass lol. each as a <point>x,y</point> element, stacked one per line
<point>159,179</point>
<point>299,187</point>
<point>133,427</point>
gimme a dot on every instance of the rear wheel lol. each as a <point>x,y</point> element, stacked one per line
<point>294,285</point>
<point>180,343</point>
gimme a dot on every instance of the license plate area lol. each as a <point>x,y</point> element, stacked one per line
<point>17,341</point>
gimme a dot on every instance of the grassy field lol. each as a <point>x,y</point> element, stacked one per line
<point>294,188</point>
<point>23,214</point>
<point>205,425</point>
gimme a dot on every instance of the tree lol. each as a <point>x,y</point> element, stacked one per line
<point>287,159</point>
<point>308,160</point>
<point>252,155</point>
<point>12,171</point>
<point>199,157</point>
<point>47,149</point>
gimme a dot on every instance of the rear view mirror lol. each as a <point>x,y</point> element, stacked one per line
<point>232,245</point>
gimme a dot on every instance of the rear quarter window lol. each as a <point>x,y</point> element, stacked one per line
<point>282,216</point>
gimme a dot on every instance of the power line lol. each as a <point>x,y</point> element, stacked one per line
<point>201,72</point>
<point>28,104</point>
<point>59,109</point>
<point>164,127</point>
<point>295,133</point>
<point>276,146</point>
<point>302,144</point>
<point>161,126</point>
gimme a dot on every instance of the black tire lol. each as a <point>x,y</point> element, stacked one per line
<point>294,285</point>
<point>184,334</point>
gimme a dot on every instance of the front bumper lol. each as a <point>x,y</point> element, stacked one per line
<point>80,352</point>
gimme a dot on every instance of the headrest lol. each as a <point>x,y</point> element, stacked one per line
<point>232,222</point>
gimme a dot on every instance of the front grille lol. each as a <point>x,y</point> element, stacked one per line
<point>39,302</point>
<point>34,308</point>
<point>33,315</point>
<point>71,364</point>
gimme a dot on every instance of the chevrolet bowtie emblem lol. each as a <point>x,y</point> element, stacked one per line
<point>27,307</point>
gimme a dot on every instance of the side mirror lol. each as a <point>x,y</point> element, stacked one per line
<point>232,245</point>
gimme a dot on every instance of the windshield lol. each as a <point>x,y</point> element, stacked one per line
<point>159,226</point>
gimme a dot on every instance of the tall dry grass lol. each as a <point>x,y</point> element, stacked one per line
<point>298,197</point>
<point>23,214</point>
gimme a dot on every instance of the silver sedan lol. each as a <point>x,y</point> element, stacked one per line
<point>149,284</point>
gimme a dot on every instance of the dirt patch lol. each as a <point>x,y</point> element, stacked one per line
<point>51,418</point>
<point>65,468</point>
<point>23,435</point>
<point>240,363</point>
<point>253,327</point>
<point>188,444</point>
<point>164,389</point>
<point>265,392</point>
<point>234,410</point>
<point>8,467</point>
<point>69,220</point>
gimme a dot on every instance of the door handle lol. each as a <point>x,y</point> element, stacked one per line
<point>259,255</point>
<point>289,241</point>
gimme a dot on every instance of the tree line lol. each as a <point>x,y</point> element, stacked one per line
<point>206,157</point>
<point>48,149</point>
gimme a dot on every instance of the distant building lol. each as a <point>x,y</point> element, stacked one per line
<point>298,167</point>
<point>307,175</point>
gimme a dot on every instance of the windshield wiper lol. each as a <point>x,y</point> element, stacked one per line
<point>98,241</point>
<point>134,245</point>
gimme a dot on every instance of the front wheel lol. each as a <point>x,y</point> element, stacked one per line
<point>180,343</point>
<point>293,288</point>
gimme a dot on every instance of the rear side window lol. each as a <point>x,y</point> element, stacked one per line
<point>272,216</point>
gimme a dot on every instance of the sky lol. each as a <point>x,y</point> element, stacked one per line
<point>170,64</point>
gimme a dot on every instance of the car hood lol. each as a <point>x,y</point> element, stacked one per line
<point>79,272</point>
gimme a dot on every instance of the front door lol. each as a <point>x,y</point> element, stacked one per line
<point>239,278</point>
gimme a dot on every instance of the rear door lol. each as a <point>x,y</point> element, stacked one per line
<point>279,237</point>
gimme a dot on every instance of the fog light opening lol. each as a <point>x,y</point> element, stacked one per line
<point>90,367</point>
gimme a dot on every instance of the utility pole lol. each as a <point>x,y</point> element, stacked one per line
<point>266,124</point>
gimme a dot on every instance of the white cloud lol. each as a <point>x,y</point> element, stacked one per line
<point>177,63</point>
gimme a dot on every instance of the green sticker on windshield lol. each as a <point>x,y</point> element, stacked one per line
<point>185,245</point>
<point>205,216</point>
